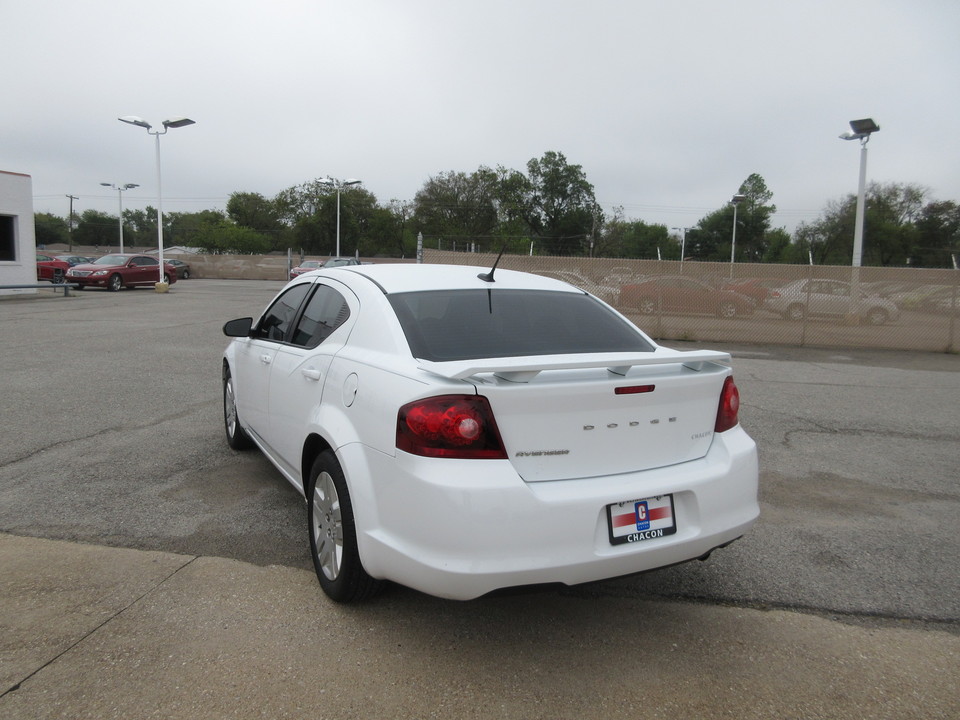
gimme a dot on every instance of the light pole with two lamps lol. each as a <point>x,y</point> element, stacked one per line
<point>735,201</point>
<point>120,189</point>
<point>174,122</point>
<point>339,186</point>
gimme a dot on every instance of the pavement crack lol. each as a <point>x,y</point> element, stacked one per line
<point>93,631</point>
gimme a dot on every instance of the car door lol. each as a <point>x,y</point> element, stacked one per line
<point>255,354</point>
<point>299,369</point>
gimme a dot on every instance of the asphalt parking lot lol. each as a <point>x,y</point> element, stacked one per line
<point>149,570</point>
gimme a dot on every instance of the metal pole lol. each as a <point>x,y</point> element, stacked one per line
<point>159,209</point>
<point>70,222</point>
<point>861,202</point>
<point>120,213</point>
<point>733,245</point>
<point>338,222</point>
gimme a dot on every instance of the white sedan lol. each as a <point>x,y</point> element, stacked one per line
<point>461,432</point>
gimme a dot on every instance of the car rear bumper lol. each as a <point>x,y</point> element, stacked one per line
<point>461,529</point>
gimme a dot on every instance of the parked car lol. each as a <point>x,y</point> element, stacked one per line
<point>182,268</point>
<point>72,260</point>
<point>829,298</point>
<point>121,270</point>
<point>50,268</point>
<point>679,294</point>
<point>460,432</point>
<point>607,293</point>
<point>753,288</point>
<point>305,266</point>
<point>340,261</point>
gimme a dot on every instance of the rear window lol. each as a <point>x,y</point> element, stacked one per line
<point>445,325</point>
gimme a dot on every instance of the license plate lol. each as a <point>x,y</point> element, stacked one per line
<point>634,521</point>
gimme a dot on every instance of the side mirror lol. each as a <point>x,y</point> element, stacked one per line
<point>238,328</point>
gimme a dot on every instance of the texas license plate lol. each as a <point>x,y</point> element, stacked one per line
<point>638,520</point>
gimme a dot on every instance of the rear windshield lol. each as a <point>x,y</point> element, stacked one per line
<point>444,325</point>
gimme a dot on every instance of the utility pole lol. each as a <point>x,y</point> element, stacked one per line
<point>70,222</point>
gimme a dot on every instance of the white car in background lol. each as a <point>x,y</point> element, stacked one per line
<point>461,432</point>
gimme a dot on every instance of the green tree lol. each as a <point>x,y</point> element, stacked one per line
<point>224,236</point>
<point>256,212</point>
<point>97,229</point>
<point>636,239</point>
<point>50,229</point>
<point>938,235</point>
<point>563,208</point>
<point>713,235</point>
<point>458,206</point>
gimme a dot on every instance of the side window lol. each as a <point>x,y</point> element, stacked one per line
<point>276,321</point>
<point>325,312</point>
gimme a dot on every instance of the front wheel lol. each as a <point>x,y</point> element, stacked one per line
<point>115,283</point>
<point>237,437</point>
<point>333,534</point>
<point>877,316</point>
<point>727,310</point>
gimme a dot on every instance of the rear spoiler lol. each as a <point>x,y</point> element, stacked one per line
<point>524,369</point>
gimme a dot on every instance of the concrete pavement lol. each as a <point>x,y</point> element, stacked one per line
<point>98,632</point>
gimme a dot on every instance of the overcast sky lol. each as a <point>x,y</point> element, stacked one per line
<point>667,106</point>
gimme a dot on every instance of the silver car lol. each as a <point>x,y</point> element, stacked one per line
<point>829,298</point>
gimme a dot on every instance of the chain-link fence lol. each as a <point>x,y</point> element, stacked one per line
<point>818,306</point>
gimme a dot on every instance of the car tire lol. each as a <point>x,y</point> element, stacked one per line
<point>877,316</point>
<point>237,437</point>
<point>186,275</point>
<point>648,306</point>
<point>333,534</point>
<point>115,283</point>
<point>166,278</point>
<point>794,312</point>
<point>727,310</point>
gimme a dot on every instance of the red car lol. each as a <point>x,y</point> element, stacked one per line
<point>117,271</point>
<point>51,268</point>
<point>305,266</point>
<point>677,294</point>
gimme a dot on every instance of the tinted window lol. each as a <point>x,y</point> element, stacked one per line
<point>466,324</point>
<point>276,321</point>
<point>324,313</point>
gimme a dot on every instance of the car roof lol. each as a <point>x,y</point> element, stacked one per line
<point>409,277</point>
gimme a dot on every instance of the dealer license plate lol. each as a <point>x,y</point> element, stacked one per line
<point>638,520</point>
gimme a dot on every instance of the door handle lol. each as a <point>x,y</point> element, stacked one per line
<point>311,373</point>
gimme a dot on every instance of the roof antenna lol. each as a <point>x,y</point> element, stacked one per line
<point>488,276</point>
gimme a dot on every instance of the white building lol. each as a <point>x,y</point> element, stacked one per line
<point>18,245</point>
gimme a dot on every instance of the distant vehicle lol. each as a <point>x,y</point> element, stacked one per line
<point>305,266</point>
<point>51,268</point>
<point>121,270</point>
<point>679,294</point>
<point>182,268</point>
<point>829,298</point>
<point>607,293</point>
<point>340,261</point>
<point>459,432</point>
<point>72,260</point>
<point>753,288</point>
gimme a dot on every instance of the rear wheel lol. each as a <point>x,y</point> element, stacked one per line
<point>794,312</point>
<point>727,310</point>
<point>648,306</point>
<point>115,283</point>
<point>333,534</point>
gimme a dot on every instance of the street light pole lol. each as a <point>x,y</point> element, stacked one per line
<point>735,201</point>
<point>860,130</point>
<point>175,122</point>
<point>683,243</point>
<point>120,189</point>
<point>339,187</point>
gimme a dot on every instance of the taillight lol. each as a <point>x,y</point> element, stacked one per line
<point>450,426</point>
<point>729,409</point>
